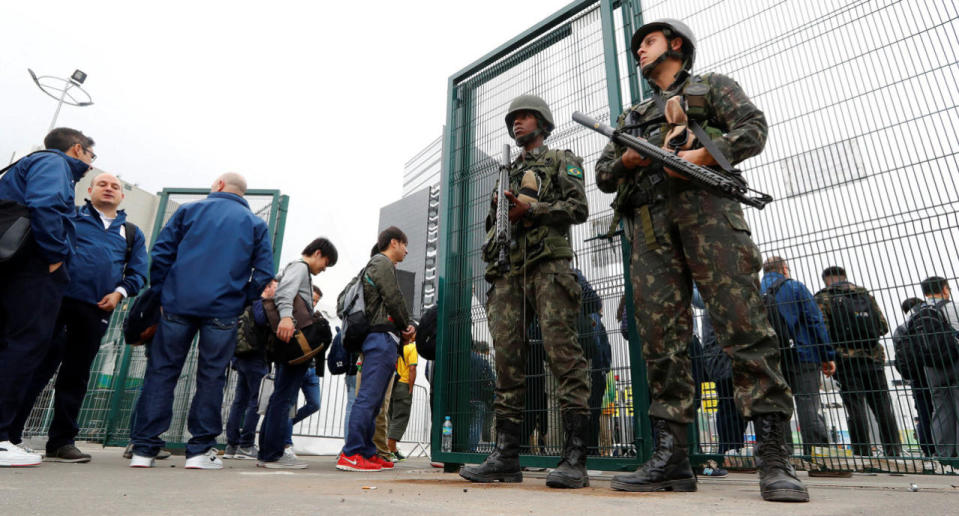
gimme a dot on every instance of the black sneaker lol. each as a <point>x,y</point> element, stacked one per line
<point>67,453</point>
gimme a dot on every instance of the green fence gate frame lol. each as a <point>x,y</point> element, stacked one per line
<point>454,245</point>
<point>279,207</point>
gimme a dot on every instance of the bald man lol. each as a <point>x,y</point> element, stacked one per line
<point>212,258</point>
<point>108,264</point>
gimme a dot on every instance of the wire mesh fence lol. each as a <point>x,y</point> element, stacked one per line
<point>116,375</point>
<point>861,160</point>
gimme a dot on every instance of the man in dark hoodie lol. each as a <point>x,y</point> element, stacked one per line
<point>41,186</point>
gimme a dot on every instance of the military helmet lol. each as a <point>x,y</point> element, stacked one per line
<point>530,103</point>
<point>671,28</point>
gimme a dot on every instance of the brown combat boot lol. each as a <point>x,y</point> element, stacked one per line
<point>571,471</point>
<point>503,464</point>
<point>668,469</point>
<point>777,478</point>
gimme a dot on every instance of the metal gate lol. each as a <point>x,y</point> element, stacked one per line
<point>861,159</point>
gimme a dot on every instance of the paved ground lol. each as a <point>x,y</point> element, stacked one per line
<point>106,486</point>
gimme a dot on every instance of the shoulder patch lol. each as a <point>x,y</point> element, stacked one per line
<point>574,170</point>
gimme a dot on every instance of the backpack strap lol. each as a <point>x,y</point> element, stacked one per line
<point>131,233</point>
<point>774,288</point>
<point>8,167</point>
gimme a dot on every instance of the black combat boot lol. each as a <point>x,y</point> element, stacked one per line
<point>503,464</point>
<point>571,471</point>
<point>777,478</point>
<point>668,469</point>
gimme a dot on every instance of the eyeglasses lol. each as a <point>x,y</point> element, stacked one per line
<point>93,156</point>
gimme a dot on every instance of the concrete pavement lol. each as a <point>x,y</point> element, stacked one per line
<point>107,486</point>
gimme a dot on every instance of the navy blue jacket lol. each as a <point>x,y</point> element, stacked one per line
<point>204,257</point>
<point>98,263</point>
<point>44,182</point>
<point>802,314</point>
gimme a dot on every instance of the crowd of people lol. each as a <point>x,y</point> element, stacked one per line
<point>211,268</point>
<point>690,245</point>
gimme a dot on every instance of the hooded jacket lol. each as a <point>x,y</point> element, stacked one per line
<point>806,325</point>
<point>44,183</point>
<point>99,262</point>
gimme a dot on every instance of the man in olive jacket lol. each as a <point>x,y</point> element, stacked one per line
<point>390,323</point>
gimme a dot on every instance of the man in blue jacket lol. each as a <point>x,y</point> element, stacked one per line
<point>813,350</point>
<point>102,271</point>
<point>32,283</point>
<point>212,258</point>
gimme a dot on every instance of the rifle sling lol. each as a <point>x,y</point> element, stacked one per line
<point>703,138</point>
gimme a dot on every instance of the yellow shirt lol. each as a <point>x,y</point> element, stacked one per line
<point>408,359</point>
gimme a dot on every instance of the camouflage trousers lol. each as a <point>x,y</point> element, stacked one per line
<point>697,236</point>
<point>550,292</point>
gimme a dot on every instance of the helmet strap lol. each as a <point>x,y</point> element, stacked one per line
<point>528,138</point>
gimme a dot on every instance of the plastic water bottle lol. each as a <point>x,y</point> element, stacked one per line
<point>447,435</point>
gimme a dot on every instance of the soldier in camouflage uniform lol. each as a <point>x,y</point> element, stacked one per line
<point>539,282</point>
<point>681,233</point>
<point>860,363</point>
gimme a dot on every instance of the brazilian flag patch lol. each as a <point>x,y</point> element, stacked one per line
<point>574,171</point>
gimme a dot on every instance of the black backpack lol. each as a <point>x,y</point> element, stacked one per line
<point>907,362</point>
<point>426,334</point>
<point>142,320</point>
<point>338,360</point>
<point>789,358</point>
<point>854,322</point>
<point>932,337</point>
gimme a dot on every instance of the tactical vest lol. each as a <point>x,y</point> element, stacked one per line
<point>646,120</point>
<point>530,245</point>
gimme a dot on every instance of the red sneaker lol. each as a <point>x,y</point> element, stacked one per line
<point>356,463</point>
<point>385,464</point>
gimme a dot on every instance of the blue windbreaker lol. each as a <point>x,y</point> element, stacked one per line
<point>802,314</point>
<point>212,257</point>
<point>44,182</point>
<point>98,263</point>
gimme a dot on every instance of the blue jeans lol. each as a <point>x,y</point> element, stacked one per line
<point>379,363</point>
<point>311,392</point>
<point>168,352</point>
<point>350,398</point>
<point>276,422</point>
<point>241,425</point>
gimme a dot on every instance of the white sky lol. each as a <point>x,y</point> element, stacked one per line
<point>325,101</point>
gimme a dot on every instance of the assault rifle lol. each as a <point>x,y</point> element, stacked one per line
<point>502,213</point>
<point>723,184</point>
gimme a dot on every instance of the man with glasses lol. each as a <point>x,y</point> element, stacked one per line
<point>33,278</point>
<point>109,264</point>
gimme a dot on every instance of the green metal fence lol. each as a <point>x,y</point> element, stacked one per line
<point>861,159</point>
<point>117,372</point>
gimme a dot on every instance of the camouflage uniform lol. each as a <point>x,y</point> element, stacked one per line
<point>860,371</point>
<point>539,282</point>
<point>679,234</point>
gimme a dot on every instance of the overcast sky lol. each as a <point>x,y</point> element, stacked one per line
<point>325,101</point>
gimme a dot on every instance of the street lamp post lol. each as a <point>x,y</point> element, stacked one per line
<point>64,91</point>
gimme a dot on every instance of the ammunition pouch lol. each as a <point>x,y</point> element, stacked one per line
<point>695,95</point>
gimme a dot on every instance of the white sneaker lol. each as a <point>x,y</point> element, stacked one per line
<point>12,455</point>
<point>288,452</point>
<point>139,461</point>
<point>246,453</point>
<point>208,460</point>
